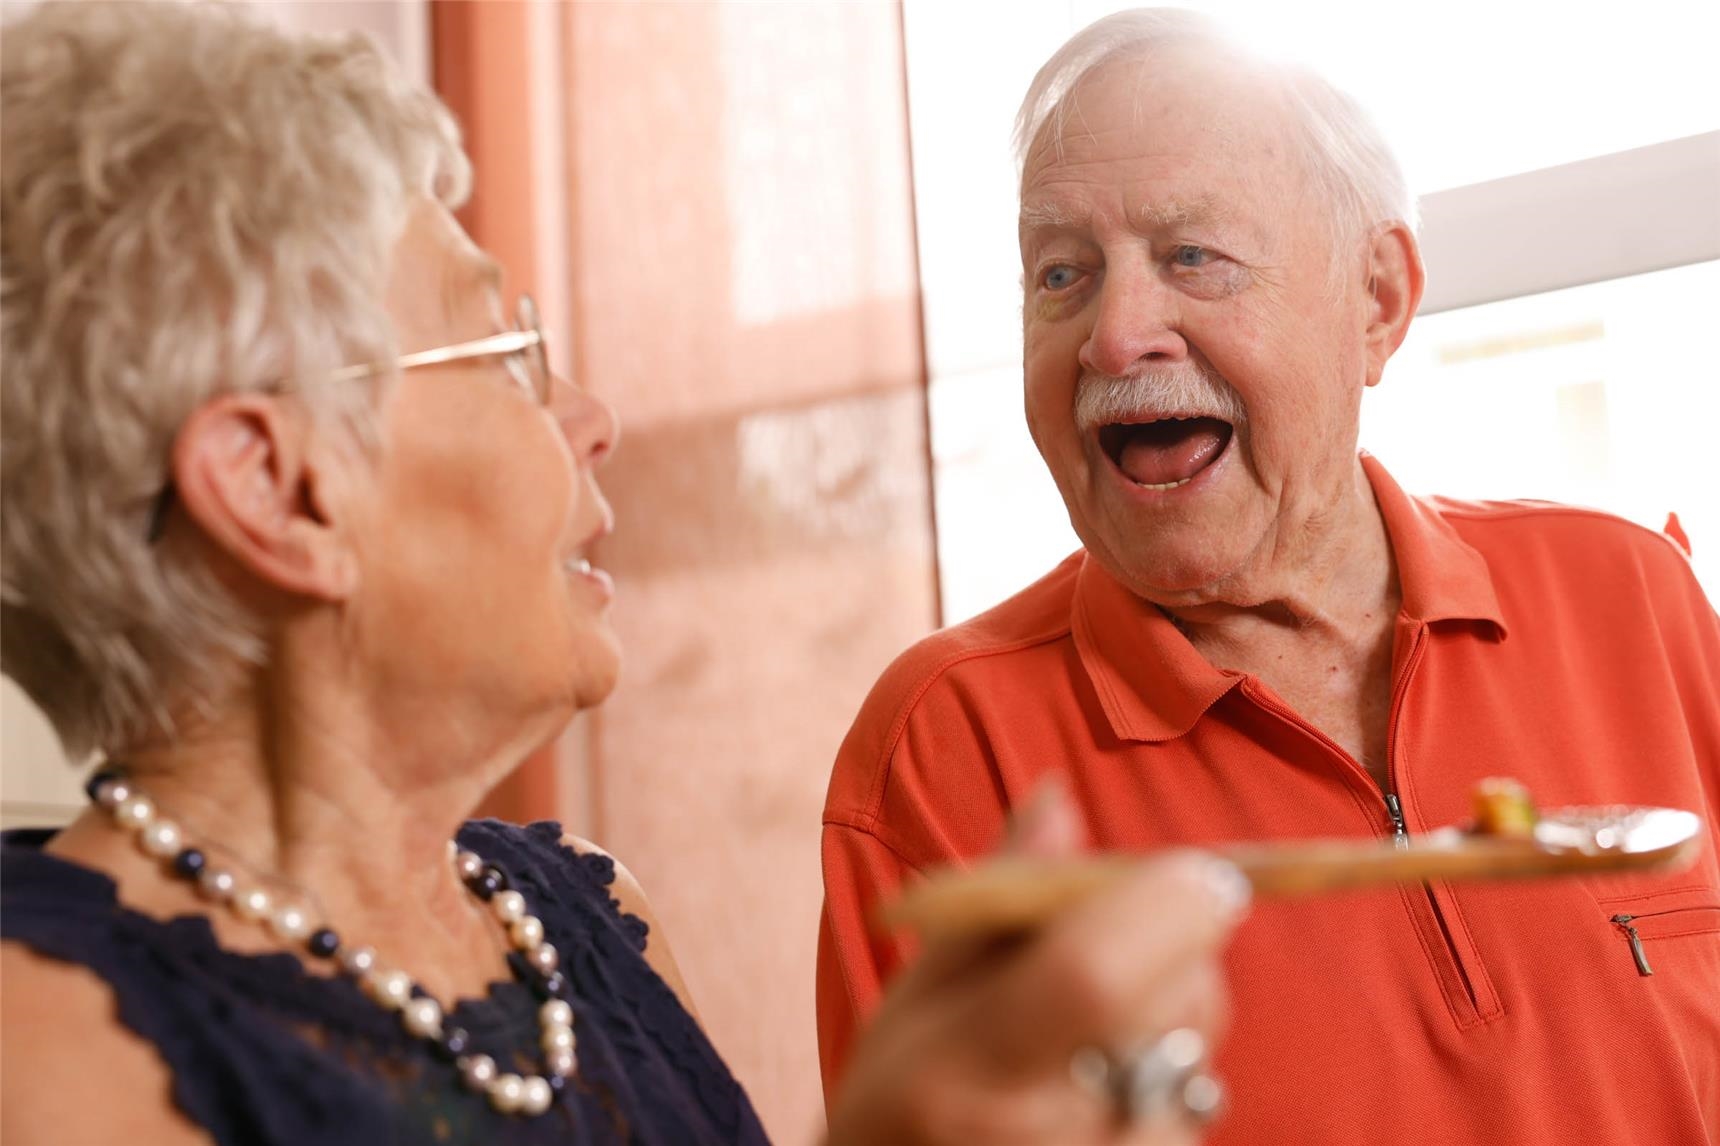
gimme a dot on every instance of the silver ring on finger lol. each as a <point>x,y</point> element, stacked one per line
<point>1164,1079</point>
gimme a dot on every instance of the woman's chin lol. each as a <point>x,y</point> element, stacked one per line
<point>597,671</point>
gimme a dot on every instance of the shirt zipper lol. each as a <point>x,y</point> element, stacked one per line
<point>1394,809</point>
<point>1481,1000</point>
<point>1636,951</point>
<point>1400,833</point>
<point>1400,687</point>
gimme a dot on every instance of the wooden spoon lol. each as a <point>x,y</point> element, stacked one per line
<point>1013,894</point>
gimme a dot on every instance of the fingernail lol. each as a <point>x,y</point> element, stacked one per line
<point>1227,884</point>
<point>1047,792</point>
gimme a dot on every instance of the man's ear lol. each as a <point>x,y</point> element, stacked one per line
<point>1395,283</point>
<point>242,473</point>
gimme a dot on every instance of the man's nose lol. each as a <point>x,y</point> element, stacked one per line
<point>1137,322</point>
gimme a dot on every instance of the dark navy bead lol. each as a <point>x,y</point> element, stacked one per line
<point>453,1043</point>
<point>323,943</point>
<point>550,986</point>
<point>557,1082</point>
<point>189,863</point>
<point>502,881</point>
<point>99,777</point>
<point>487,883</point>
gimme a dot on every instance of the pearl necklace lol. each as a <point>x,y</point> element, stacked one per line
<point>534,959</point>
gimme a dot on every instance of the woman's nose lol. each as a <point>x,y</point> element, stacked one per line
<point>587,421</point>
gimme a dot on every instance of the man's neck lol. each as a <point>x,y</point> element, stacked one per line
<point>1331,574</point>
<point>1317,626</point>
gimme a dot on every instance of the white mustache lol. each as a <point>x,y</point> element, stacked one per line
<point>1189,391</point>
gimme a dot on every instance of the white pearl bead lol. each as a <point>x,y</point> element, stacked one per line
<point>467,865</point>
<point>562,1063</point>
<point>508,905</point>
<point>423,1017</point>
<point>290,922</point>
<point>111,794</point>
<point>135,811</point>
<point>390,988</point>
<point>253,903</point>
<point>544,958</point>
<point>506,1092</point>
<point>556,1013</point>
<point>161,839</point>
<point>557,1039</point>
<point>477,1071</point>
<point>357,961</point>
<point>527,932</point>
<point>536,1095</point>
<point>217,884</point>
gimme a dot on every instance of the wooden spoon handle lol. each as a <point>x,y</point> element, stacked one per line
<point>1013,894</point>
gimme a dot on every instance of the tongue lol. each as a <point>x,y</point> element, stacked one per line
<point>1171,451</point>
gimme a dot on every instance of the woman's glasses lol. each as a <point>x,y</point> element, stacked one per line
<point>522,350</point>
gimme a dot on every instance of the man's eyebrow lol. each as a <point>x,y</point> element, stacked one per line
<point>1052,216</point>
<point>1204,209</point>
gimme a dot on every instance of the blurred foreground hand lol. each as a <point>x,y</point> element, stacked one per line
<point>1058,1037</point>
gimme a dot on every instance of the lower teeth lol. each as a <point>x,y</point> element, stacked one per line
<point>1165,485</point>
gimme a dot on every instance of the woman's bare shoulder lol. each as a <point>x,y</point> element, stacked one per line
<point>73,1072</point>
<point>633,901</point>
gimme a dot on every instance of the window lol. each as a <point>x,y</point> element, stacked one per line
<point>1603,395</point>
<point>1552,147</point>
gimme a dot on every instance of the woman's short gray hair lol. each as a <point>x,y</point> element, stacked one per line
<point>1348,156</point>
<point>192,202</point>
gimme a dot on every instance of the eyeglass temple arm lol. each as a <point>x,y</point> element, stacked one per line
<point>508,342</point>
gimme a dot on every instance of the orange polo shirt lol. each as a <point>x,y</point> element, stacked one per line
<point>1569,649</point>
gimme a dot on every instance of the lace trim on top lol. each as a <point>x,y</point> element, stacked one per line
<point>263,1051</point>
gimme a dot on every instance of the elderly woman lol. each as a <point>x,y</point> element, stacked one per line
<point>295,528</point>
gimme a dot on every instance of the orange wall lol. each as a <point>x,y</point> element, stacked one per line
<point>740,284</point>
<point>492,66</point>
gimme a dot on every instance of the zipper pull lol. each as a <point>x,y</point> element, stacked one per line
<point>1401,833</point>
<point>1635,943</point>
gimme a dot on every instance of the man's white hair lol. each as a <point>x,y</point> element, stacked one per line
<point>1348,157</point>
<point>192,202</point>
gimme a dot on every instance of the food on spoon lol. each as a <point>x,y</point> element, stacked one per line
<point>1503,808</point>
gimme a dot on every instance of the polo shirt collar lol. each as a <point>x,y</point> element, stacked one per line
<point>1443,577</point>
<point>1152,683</point>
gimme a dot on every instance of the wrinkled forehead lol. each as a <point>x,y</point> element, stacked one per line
<point>1171,105</point>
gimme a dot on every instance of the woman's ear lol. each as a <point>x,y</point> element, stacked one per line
<point>1395,283</point>
<point>243,473</point>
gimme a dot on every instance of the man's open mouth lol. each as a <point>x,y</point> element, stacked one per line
<point>1165,452</point>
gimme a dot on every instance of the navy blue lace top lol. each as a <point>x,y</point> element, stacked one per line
<point>264,1052</point>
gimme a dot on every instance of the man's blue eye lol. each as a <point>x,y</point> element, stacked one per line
<point>1188,255</point>
<point>1059,278</point>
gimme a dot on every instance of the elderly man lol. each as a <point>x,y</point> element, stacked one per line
<point>1264,637</point>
